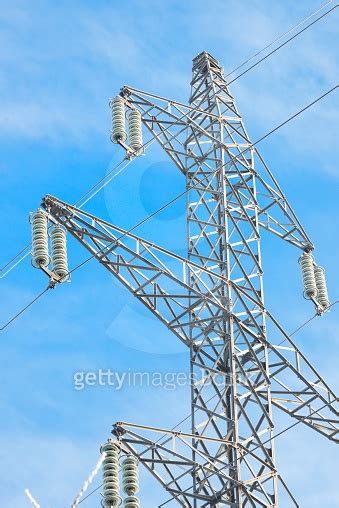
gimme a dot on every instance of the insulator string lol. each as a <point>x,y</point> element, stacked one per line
<point>322,293</point>
<point>308,275</point>
<point>59,252</point>
<point>40,255</point>
<point>111,486</point>
<point>135,130</point>
<point>130,482</point>
<point>118,120</point>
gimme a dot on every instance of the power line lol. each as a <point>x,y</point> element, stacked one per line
<point>278,39</point>
<point>283,44</point>
<point>15,257</point>
<point>307,322</point>
<point>286,121</point>
<point>93,491</point>
<point>25,308</point>
<point>86,197</point>
<point>25,252</point>
<point>107,178</point>
<point>146,219</point>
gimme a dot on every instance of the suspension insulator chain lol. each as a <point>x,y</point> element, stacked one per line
<point>40,255</point>
<point>135,131</point>
<point>308,276</point>
<point>59,252</point>
<point>111,497</point>
<point>320,280</point>
<point>130,481</point>
<point>118,120</point>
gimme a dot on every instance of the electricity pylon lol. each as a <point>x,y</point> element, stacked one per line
<point>213,301</point>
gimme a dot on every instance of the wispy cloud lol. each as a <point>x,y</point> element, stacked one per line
<point>60,70</point>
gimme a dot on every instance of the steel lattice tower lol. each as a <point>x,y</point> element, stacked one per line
<point>213,301</point>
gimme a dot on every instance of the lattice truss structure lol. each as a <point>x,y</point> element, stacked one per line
<point>213,301</point>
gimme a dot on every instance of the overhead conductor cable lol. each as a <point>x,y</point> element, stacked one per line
<point>89,480</point>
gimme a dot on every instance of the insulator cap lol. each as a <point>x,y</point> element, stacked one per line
<point>131,502</point>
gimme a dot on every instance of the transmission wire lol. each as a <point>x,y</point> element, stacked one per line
<point>269,45</point>
<point>283,44</point>
<point>24,308</point>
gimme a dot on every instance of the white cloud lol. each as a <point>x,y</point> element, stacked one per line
<point>61,70</point>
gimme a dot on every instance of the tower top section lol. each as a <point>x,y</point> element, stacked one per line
<point>206,59</point>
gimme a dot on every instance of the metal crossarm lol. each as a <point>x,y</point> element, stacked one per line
<point>168,459</point>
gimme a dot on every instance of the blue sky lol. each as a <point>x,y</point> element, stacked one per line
<point>59,66</point>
